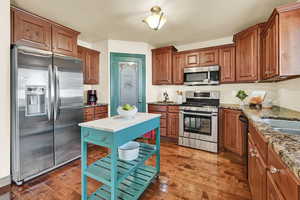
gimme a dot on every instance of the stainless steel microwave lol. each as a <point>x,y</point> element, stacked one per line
<point>202,75</point>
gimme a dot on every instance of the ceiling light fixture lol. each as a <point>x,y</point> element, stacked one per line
<point>157,18</point>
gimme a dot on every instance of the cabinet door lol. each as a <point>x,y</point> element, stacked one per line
<point>233,132</point>
<point>173,125</point>
<point>192,59</point>
<point>91,71</point>
<point>161,67</point>
<point>273,192</point>
<point>209,57</point>
<point>272,49</point>
<point>64,41</point>
<point>227,64</point>
<point>251,164</point>
<point>31,31</point>
<point>247,56</point>
<point>178,64</point>
<point>260,178</point>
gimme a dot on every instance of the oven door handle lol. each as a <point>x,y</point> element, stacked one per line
<point>200,114</point>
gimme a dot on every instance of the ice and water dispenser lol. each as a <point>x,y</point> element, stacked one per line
<point>35,100</point>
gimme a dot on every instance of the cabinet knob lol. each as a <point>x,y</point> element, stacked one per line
<point>274,170</point>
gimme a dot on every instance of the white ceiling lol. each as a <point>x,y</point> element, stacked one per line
<point>187,20</point>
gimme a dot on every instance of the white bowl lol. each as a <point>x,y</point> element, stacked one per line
<point>127,113</point>
<point>129,151</point>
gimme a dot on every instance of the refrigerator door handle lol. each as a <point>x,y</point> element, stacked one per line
<point>50,82</point>
<point>57,93</point>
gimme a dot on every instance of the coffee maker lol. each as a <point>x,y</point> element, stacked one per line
<point>92,97</point>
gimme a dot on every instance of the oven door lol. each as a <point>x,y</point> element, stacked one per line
<point>199,125</point>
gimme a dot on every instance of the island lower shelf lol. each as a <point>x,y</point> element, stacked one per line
<point>131,187</point>
<point>133,177</point>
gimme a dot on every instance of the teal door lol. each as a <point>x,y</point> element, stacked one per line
<point>127,81</point>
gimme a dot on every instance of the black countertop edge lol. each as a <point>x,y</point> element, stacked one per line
<point>98,104</point>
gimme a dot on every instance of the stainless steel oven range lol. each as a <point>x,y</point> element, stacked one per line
<point>199,120</point>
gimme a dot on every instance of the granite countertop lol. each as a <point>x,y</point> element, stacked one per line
<point>117,123</point>
<point>98,104</point>
<point>287,146</point>
<point>164,104</point>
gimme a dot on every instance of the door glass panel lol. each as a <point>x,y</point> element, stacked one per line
<point>196,77</point>
<point>129,83</point>
<point>197,124</point>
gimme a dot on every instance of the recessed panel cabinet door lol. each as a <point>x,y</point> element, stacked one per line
<point>209,57</point>
<point>227,64</point>
<point>162,66</point>
<point>31,31</point>
<point>192,59</point>
<point>247,56</point>
<point>173,125</point>
<point>273,192</point>
<point>64,41</point>
<point>233,132</point>
<point>178,64</point>
<point>91,72</point>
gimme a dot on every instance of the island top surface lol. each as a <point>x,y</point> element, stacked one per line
<point>117,123</point>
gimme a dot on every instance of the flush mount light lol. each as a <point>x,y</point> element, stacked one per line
<point>157,18</point>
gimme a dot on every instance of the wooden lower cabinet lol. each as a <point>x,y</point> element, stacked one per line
<point>173,125</point>
<point>95,112</point>
<point>273,192</point>
<point>269,178</point>
<point>232,130</point>
<point>169,121</point>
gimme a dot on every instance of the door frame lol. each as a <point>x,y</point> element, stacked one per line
<point>114,96</point>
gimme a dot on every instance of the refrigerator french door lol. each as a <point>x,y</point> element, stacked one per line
<point>46,108</point>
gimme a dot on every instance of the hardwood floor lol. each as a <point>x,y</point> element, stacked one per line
<point>186,174</point>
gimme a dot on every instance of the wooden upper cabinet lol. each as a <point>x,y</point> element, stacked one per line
<point>209,57</point>
<point>90,59</point>
<point>192,59</point>
<point>233,132</point>
<point>270,50</point>
<point>178,65</point>
<point>162,64</point>
<point>30,30</point>
<point>227,64</point>
<point>247,54</point>
<point>64,40</point>
<point>37,32</point>
<point>281,43</point>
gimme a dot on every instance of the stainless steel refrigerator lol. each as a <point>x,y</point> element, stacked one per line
<point>46,107</point>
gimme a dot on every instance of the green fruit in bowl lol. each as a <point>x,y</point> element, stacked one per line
<point>127,107</point>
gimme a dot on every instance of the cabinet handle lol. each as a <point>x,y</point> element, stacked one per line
<point>274,170</point>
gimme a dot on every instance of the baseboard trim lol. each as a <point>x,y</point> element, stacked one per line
<point>5,181</point>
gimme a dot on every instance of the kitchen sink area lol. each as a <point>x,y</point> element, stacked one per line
<point>284,126</point>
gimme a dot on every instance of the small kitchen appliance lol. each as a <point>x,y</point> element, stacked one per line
<point>92,97</point>
<point>198,120</point>
<point>201,75</point>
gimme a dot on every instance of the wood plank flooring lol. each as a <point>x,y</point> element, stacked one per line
<point>186,174</point>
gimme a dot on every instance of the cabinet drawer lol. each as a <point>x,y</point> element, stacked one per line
<point>101,109</point>
<point>153,108</point>
<point>283,178</point>
<point>88,118</point>
<point>88,111</point>
<point>260,142</point>
<point>163,115</point>
<point>173,109</point>
<point>100,115</point>
<point>163,123</point>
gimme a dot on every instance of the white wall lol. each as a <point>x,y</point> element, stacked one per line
<point>288,94</point>
<point>4,89</point>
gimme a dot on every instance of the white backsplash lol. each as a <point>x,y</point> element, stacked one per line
<point>227,91</point>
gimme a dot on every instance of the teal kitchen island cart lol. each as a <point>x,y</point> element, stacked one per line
<point>125,180</point>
